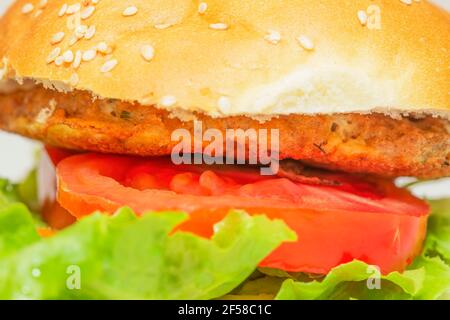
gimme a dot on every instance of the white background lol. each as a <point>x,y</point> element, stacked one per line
<point>16,154</point>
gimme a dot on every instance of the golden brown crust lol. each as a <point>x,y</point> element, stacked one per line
<point>403,66</point>
<point>355,143</point>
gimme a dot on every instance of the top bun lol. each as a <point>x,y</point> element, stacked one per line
<point>234,57</point>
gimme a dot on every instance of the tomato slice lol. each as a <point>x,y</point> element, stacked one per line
<point>57,154</point>
<point>56,217</point>
<point>366,219</point>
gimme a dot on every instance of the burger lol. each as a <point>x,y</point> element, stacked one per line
<point>226,149</point>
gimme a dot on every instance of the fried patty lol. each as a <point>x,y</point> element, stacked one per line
<point>375,143</point>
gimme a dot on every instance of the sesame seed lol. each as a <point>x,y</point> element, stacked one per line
<point>218,26</point>
<point>87,12</point>
<point>362,16</point>
<point>77,60</point>
<point>27,8</point>
<point>224,104</point>
<point>202,7</point>
<point>162,26</point>
<point>74,8</point>
<point>168,101</point>
<point>147,52</point>
<point>89,55</point>
<point>81,28</point>
<point>108,66</point>
<point>306,42</point>
<point>38,13</point>
<point>63,10</point>
<point>73,39</point>
<point>74,79</point>
<point>90,32</point>
<point>68,56</point>
<point>273,37</point>
<point>42,3</point>
<point>59,61</point>
<point>53,55</point>
<point>102,47</point>
<point>407,2</point>
<point>57,37</point>
<point>130,11</point>
<point>80,31</point>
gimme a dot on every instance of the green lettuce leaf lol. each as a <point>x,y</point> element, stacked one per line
<point>436,284</point>
<point>427,278</point>
<point>123,257</point>
<point>17,229</point>
<point>8,193</point>
<point>355,280</point>
<point>438,237</point>
<point>27,191</point>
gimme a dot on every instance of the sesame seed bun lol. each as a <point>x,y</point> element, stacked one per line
<point>234,57</point>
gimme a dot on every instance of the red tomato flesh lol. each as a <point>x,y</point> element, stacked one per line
<point>366,219</point>
<point>56,155</point>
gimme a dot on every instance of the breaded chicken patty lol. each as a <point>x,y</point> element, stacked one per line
<point>375,143</point>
